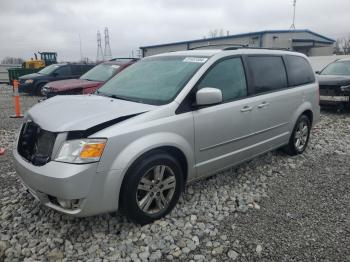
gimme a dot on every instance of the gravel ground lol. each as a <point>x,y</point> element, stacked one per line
<point>273,208</point>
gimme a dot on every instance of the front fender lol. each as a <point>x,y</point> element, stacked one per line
<point>153,141</point>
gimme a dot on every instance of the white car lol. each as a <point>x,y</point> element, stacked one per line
<point>163,122</point>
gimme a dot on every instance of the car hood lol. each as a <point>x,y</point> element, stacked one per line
<point>333,80</point>
<point>31,76</point>
<point>70,84</point>
<point>81,112</point>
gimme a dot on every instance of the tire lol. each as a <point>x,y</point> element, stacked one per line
<point>142,198</point>
<point>294,147</point>
<point>37,89</point>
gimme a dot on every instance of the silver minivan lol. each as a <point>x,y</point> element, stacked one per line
<point>165,121</point>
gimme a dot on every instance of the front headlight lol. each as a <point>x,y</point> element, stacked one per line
<point>82,150</point>
<point>29,81</point>
<point>45,90</point>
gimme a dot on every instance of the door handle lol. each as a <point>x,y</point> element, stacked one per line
<point>263,104</point>
<point>247,109</point>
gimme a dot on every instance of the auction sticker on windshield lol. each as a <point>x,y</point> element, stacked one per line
<point>195,59</point>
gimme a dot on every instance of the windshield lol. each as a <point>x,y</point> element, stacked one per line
<point>101,73</point>
<point>337,68</point>
<point>48,70</point>
<point>155,80</point>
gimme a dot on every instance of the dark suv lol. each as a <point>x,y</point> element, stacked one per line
<point>33,83</point>
<point>334,82</point>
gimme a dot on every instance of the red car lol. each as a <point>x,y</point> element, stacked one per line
<point>90,81</point>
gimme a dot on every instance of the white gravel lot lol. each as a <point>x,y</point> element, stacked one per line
<point>201,228</point>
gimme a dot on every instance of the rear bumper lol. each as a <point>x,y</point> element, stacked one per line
<point>93,192</point>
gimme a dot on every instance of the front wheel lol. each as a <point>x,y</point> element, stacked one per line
<point>151,188</point>
<point>300,136</point>
<point>37,89</point>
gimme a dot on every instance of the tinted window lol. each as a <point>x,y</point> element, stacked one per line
<point>76,69</point>
<point>229,77</point>
<point>268,73</point>
<point>299,71</point>
<point>63,71</point>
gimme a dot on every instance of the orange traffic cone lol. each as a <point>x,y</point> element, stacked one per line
<point>16,101</point>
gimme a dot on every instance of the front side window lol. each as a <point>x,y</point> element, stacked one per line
<point>299,71</point>
<point>337,68</point>
<point>229,77</point>
<point>268,73</point>
<point>154,80</point>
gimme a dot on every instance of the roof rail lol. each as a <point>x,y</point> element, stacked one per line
<point>251,47</point>
<point>125,58</point>
<point>217,45</point>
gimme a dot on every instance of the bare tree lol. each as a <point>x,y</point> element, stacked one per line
<point>12,60</point>
<point>213,33</point>
<point>342,46</point>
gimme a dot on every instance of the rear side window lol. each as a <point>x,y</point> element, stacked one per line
<point>229,77</point>
<point>268,73</point>
<point>76,69</point>
<point>63,71</point>
<point>299,71</point>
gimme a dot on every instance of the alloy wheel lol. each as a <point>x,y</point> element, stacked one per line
<point>301,136</point>
<point>156,189</point>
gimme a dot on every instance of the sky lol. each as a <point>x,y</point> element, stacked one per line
<point>29,26</point>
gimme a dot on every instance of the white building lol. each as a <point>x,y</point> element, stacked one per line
<point>304,41</point>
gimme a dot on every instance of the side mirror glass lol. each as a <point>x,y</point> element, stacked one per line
<point>208,96</point>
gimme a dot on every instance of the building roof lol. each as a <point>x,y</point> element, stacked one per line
<point>328,40</point>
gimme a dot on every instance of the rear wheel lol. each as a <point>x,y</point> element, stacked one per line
<point>300,136</point>
<point>151,188</point>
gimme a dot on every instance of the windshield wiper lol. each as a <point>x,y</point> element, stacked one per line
<point>110,95</point>
<point>117,97</point>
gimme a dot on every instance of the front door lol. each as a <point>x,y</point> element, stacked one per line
<point>222,131</point>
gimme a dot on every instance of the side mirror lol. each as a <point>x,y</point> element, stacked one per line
<point>54,74</point>
<point>208,96</point>
<point>317,72</point>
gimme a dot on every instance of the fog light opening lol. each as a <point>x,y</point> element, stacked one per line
<point>65,203</point>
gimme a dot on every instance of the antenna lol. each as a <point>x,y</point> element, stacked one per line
<point>99,56</point>
<point>81,52</point>
<point>108,52</point>
<point>292,27</point>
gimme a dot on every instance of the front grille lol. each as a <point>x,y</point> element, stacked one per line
<point>330,90</point>
<point>36,144</point>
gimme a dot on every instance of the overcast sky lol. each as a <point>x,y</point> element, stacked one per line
<point>29,26</point>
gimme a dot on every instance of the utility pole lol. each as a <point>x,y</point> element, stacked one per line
<point>99,56</point>
<point>107,53</point>
<point>292,27</point>
<point>81,51</point>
